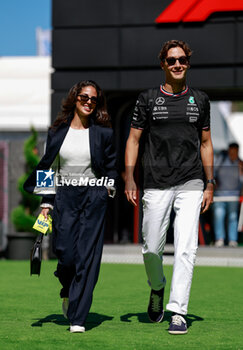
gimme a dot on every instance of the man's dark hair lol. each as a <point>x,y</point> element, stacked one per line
<point>174,43</point>
<point>233,145</point>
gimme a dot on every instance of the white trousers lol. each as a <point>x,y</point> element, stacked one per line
<point>186,200</point>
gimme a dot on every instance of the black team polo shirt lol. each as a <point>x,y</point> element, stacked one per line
<point>172,125</point>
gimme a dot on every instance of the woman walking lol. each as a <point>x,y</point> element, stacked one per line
<point>80,142</point>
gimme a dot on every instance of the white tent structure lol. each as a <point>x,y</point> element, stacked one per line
<point>24,93</point>
<point>235,124</point>
<point>24,102</point>
<point>226,127</point>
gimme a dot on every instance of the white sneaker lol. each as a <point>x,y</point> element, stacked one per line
<point>219,243</point>
<point>77,329</point>
<point>233,244</point>
<point>65,304</point>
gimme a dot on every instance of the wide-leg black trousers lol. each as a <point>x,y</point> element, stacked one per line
<point>78,234</point>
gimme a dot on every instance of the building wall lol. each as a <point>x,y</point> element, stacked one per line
<point>117,42</point>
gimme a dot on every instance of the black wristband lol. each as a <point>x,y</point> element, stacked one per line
<point>211,181</point>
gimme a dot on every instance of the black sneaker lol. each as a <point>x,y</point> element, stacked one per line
<point>155,308</point>
<point>178,325</point>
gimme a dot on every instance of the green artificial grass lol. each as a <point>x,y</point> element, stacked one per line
<point>31,317</point>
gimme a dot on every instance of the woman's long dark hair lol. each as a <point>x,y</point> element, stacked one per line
<point>100,115</point>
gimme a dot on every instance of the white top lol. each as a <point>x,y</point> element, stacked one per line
<point>75,158</point>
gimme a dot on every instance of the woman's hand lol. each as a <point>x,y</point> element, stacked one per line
<point>45,212</point>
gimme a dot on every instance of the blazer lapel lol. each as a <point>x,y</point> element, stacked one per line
<point>57,140</point>
<point>92,139</point>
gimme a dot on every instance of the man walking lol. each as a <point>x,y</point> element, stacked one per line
<point>175,122</point>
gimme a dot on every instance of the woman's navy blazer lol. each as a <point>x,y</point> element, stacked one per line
<point>103,155</point>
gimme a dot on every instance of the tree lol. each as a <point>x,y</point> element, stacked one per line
<point>23,216</point>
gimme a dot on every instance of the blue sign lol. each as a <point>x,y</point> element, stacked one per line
<point>45,178</point>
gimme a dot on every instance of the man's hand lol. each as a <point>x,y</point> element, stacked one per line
<point>206,151</point>
<point>131,191</point>
<point>207,198</point>
<point>131,155</point>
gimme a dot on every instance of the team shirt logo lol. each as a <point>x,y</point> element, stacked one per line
<point>159,101</point>
<point>192,110</point>
<point>192,119</point>
<point>159,111</point>
<point>135,112</point>
<point>191,100</point>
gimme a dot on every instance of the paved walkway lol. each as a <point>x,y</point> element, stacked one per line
<point>206,256</point>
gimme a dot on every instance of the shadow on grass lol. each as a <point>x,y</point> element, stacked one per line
<point>93,320</point>
<point>143,318</point>
<point>54,318</point>
<point>190,318</point>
